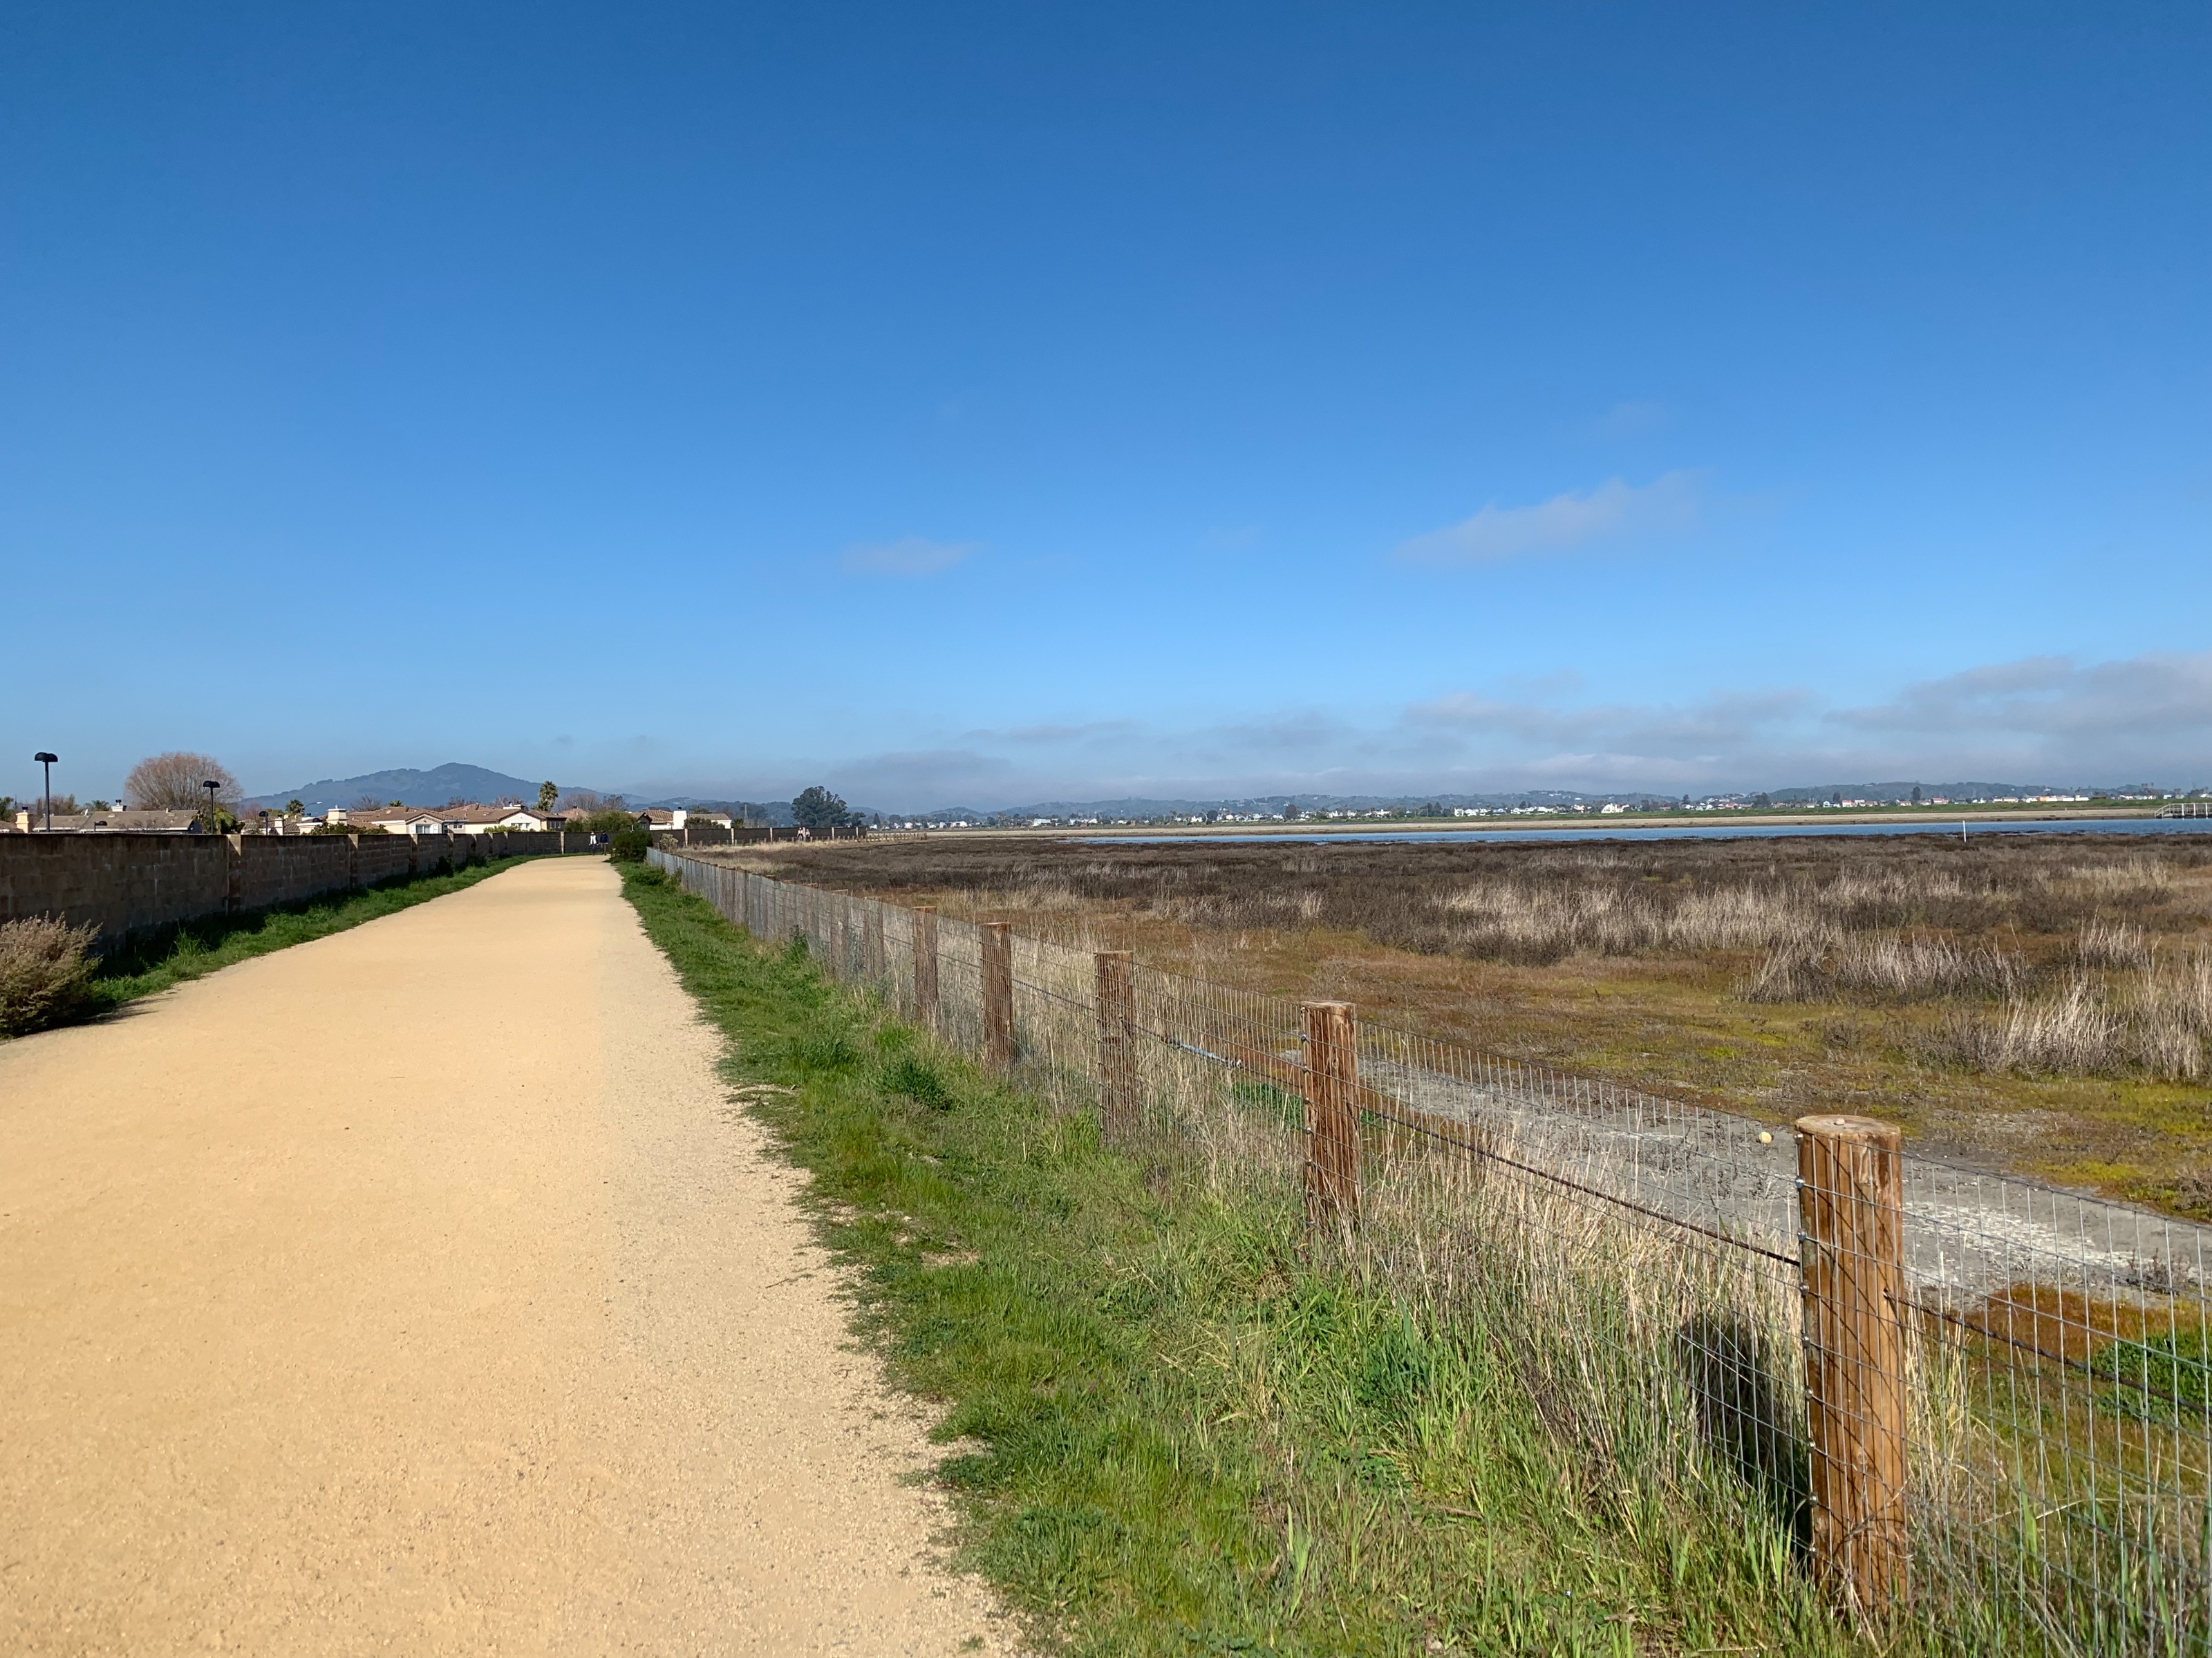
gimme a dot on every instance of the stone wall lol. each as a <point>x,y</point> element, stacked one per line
<point>127,884</point>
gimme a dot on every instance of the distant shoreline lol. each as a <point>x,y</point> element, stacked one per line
<point>1934,817</point>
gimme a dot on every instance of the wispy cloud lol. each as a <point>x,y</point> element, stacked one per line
<point>910,555</point>
<point>2053,698</point>
<point>2042,719</point>
<point>1614,511</point>
<point>1625,421</point>
<point>1091,732</point>
<point>1242,539</point>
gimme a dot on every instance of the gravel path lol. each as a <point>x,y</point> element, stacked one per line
<point>418,1290</point>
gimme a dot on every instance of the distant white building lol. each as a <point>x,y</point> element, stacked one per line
<point>116,822</point>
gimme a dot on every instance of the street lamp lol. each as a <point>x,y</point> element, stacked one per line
<point>214,824</point>
<point>48,761</point>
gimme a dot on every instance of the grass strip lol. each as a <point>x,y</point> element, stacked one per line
<point>1170,1431</point>
<point>190,950</point>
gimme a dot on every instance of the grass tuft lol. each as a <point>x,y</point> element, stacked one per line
<point>918,1080</point>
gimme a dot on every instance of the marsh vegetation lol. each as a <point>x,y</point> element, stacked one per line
<point>2036,1003</point>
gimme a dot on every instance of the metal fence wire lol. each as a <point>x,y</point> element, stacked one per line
<point>1977,1410</point>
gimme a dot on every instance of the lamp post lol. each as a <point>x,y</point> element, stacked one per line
<point>215,824</point>
<point>47,762</point>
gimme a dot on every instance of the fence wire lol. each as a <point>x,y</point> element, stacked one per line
<point>1978,1409</point>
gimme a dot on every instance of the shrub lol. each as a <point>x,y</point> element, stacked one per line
<point>45,974</point>
<point>629,847</point>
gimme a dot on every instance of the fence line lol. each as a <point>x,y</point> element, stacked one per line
<point>1977,1408</point>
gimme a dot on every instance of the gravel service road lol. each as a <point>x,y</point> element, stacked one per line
<point>421,1289</point>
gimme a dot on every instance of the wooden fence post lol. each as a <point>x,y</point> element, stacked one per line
<point>871,941</point>
<point>1850,1215</point>
<point>924,966</point>
<point>1332,1091</point>
<point>998,995</point>
<point>1117,1047</point>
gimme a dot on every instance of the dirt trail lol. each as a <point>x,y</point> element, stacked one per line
<point>417,1291</point>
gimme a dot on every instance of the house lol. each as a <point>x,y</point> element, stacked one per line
<point>392,820</point>
<point>482,820</point>
<point>470,819</point>
<point>118,821</point>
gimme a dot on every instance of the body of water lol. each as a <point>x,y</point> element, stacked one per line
<point>1953,830</point>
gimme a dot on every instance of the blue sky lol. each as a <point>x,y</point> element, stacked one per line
<point>985,403</point>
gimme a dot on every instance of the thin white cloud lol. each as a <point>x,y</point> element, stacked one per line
<point>2037,720</point>
<point>1615,510</point>
<point>1630,420</point>
<point>1091,732</point>
<point>910,555</point>
<point>2166,697</point>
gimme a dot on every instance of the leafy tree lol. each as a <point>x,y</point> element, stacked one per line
<point>546,795</point>
<point>177,781</point>
<point>815,808</point>
<point>295,808</point>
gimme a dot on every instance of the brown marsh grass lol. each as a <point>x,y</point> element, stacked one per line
<point>2037,1002</point>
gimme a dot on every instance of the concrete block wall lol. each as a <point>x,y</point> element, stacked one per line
<point>127,884</point>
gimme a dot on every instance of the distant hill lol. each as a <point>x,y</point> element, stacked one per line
<point>434,787</point>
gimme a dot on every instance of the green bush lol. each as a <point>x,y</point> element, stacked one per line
<point>629,847</point>
<point>45,974</point>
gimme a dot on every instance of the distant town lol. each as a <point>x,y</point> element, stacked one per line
<point>185,794</point>
<point>1542,804</point>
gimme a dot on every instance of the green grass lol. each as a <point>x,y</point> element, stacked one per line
<point>160,960</point>
<point>1170,1430</point>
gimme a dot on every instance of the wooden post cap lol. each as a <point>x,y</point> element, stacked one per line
<point>1865,1131</point>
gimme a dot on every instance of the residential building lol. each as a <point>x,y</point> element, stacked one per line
<point>482,820</point>
<point>118,821</point>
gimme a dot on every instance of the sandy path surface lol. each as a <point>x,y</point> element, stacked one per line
<point>417,1291</point>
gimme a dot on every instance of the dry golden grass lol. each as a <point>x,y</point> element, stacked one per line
<point>2042,1004</point>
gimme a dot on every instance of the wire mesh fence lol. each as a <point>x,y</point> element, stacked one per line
<point>1975,1410</point>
